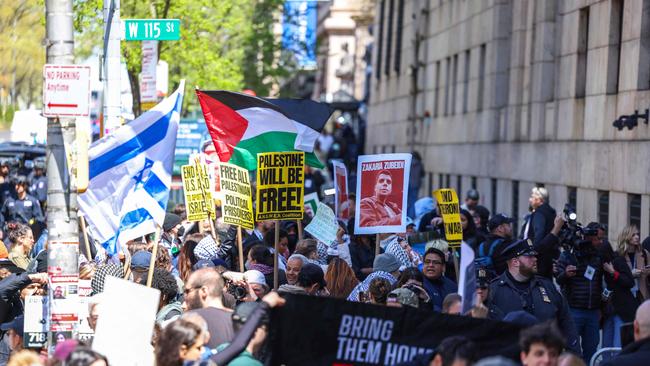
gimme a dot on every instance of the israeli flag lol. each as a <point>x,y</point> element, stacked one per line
<point>130,174</point>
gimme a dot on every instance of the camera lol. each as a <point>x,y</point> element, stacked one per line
<point>238,292</point>
<point>573,235</point>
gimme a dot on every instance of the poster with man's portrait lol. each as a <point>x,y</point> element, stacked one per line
<point>341,203</point>
<point>382,190</point>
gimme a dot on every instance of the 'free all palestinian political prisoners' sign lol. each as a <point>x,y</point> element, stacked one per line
<point>280,181</point>
<point>236,191</point>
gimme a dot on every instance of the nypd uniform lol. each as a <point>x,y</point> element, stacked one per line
<point>38,188</point>
<point>538,296</point>
<point>25,211</point>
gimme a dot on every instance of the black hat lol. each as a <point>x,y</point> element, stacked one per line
<point>472,194</point>
<point>519,247</point>
<point>311,273</point>
<point>499,219</point>
<point>171,220</point>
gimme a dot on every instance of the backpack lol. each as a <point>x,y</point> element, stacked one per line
<point>484,255</point>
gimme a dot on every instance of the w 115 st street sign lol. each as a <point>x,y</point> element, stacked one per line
<point>152,29</point>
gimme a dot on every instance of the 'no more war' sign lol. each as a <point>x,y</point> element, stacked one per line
<point>450,211</point>
<point>237,205</point>
<point>280,181</point>
<point>196,186</point>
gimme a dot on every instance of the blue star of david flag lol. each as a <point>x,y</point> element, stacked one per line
<point>130,174</point>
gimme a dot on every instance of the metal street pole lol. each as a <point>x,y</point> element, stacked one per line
<point>61,135</point>
<point>111,67</point>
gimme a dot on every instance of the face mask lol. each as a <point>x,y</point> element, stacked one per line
<point>181,232</point>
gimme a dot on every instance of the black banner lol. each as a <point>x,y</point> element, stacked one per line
<point>324,331</point>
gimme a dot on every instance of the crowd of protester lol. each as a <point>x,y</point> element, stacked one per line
<point>573,294</point>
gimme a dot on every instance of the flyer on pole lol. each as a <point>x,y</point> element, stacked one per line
<point>237,203</point>
<point>280,186</point>
<point>341,203</point>
<point>450,211</point>
<point>62,265</point>
<point>382,190</point>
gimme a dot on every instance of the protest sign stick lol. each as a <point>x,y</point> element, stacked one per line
<point>241,250</point>
<point>299,222</point>
<point>275,255</point>
<point>376,245</point>
<point>454,255</point>
<point>212,231</point>
<point>86,241</point>
<point>154,253</point>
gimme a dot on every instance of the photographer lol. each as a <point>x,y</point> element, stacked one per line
<point>580,272</point>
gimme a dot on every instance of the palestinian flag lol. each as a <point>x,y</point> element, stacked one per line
<point>241,126</point>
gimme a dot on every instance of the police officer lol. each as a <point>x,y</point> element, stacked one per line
<point>6,185</point>
<point>24,209</point>
<point>519,288</point>
<point>38,186</point>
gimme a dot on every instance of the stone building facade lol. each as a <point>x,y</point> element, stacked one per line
<point>503,95</point>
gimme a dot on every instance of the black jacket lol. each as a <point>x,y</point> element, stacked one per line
<point>541,222</point>
<point>10,293</point>
<point>581,292</point>
<point>623,302</point>
<point>541,299</point>
<point>635,354</point>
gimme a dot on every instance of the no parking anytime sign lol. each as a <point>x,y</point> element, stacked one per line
<point>66,91</point>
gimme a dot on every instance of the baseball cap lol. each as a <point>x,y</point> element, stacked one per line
<point>520,247</point>
<point>254,276</point>
<point>203,263</point>
<point>472,194</point>
<point>16,325</point>
<point>141,259</point>
<point>499,219</point>
<point>311,273</point>
<point>405,297</point>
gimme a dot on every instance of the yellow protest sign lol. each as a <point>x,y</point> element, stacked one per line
<point>237,204</point>
<point>280,181</point>
<point>450,211</point>
<point>196,187</point>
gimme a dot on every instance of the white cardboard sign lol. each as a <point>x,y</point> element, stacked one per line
<point>66,91</point>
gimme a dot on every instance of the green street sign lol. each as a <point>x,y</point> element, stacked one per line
<point>152,29</point>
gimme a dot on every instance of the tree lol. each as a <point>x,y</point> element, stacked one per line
<point>22,54</point>
<point>225,44</point>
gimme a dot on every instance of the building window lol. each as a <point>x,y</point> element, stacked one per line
<point>481,77</point>
<point>634,208</point>
<point>583,44</point>
<point>603,207</point>
<point>572,194</point>
<point>454,84</point>
<point>380,38</point>
<point>459,184</point>
<point>466,81</point>
<point>515,205</point>
<point>430,182</point>
<point>436,92</point>
<point>494,195</point>
<point>398,36</point>
<point>447,86</point>
<point>393,149</point>
<point>441,179</point>
<point>643,81</point>
<point>389,36</point>
<point>473,183</point>
<point>448,181</point>
<point>615,34</point>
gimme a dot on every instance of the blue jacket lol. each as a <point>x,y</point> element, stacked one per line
<point>438,290</point>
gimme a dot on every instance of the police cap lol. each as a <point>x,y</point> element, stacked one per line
<point>518,248</point>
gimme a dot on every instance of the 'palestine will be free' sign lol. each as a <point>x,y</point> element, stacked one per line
<point>280,181</point>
